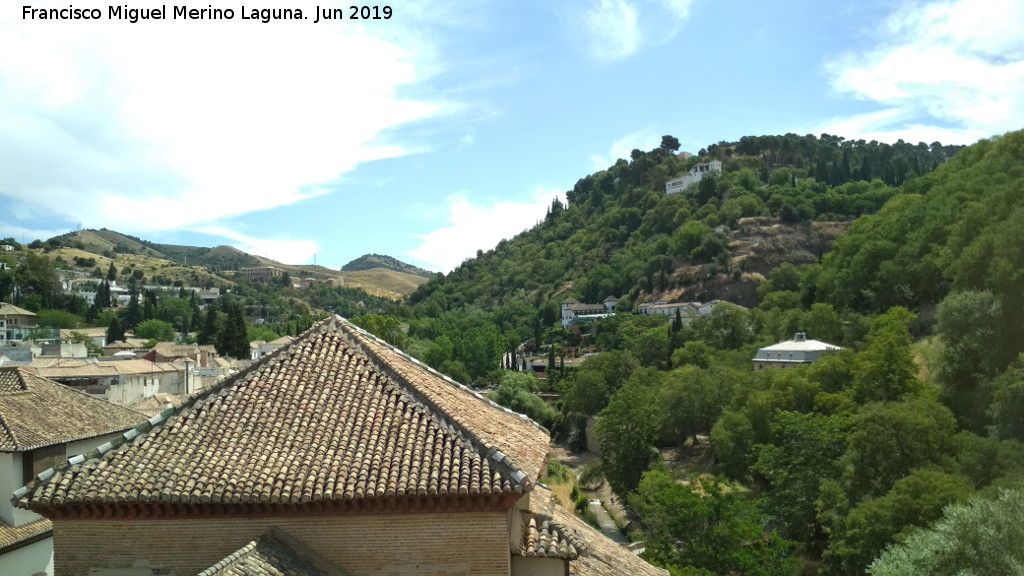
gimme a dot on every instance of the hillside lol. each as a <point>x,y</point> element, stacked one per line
<point>371,261</point>
<point>619,233</point>
<point>201,266</point>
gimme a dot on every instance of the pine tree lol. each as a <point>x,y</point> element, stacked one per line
<point>111,272</point>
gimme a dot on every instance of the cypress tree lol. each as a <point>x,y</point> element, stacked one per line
<point>115,332</point>
<point>208,335</point>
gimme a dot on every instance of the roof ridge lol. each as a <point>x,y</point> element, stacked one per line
<point>447,378</point>
<point>518,475</point>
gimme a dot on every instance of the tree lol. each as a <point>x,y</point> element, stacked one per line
<point>705,527</point>
<point>115,332</point>
<point>134,313</point>
<point>1008,402</point>
<point>890,440</point>
<point>803,451</point>
<point>102,300</point>
<point>732,440</point>
<point>627,429</point>
<point>670,143</point>
<point>886,370</point>
<point>914,501</point>
<point>982,537</point>
<point>155,330</point>
<point>209,334</point>
<point>969,324</point>
<point>233,341</point>
<point>111,272</point>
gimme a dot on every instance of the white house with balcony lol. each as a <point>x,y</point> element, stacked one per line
<point>677,185</point>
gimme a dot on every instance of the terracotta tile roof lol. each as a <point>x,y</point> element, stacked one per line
<point>36,412</point>
<point>515,435</point>
<point>75,370</point>
<point>156,404</point>
<point>543,537</point>
<point>172,350</point>
<point>600,556</point>
<point>12,310</point>
<point>140,366</point>
<point>88,332</point>
<point>12,538</point>
<point>318,421</point>
<point>274,554</point>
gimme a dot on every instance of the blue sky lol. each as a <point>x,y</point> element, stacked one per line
<point>452,125</point>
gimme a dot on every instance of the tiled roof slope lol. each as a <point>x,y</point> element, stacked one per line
<point>513,434</point>
<point>37,412</point>
<point>317,421</point>
<point>12,310</point>
<point>601,556</point>
<point>545,538</point>
<point>274,554</point>
<point>14,537</point>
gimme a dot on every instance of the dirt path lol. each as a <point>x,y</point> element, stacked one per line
<point>604,503</point>
<point>606,523</point>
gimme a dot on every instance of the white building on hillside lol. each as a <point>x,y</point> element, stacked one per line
<point>696,173</point>
<point>793,352</point>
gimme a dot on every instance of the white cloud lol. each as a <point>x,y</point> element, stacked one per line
<point>284,251</point>
<point>954,68</point>
<point>162,125</point>
<point>644,140</point>
<point>617,29</point>
<point>473,227</point>
<point>612,26</point>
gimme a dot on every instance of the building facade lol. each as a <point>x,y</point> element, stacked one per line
<point>792,353</point>
<point>695,175</point>
<point>16,324</point>
<point>42,423</point>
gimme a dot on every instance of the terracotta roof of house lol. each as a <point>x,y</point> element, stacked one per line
<point>513,434</point>
<point>544,537</point>
<point>337,416</point>
<point>12,310</point>
<point>282,341</point>
<point>172,350</point>
<point>14,537</point>
<point>37,412</point>
<point>119,345</point>
<point>156,404</point>
<point>140,366</point>
<point>89,332</point>
<point>587,307</point>
<point>600,556</point>
<point>70,369</point>
<point>274,554</point>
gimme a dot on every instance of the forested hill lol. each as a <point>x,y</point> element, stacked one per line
<point>949,248</point>
<point>618,233</point>
<point>899,454</point>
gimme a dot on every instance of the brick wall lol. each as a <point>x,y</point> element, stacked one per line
<point>385,545</point>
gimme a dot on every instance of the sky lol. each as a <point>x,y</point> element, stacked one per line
<point>450,125</point>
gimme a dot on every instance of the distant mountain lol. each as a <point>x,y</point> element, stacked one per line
<point>377,275</point>
<point>371,261</point>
